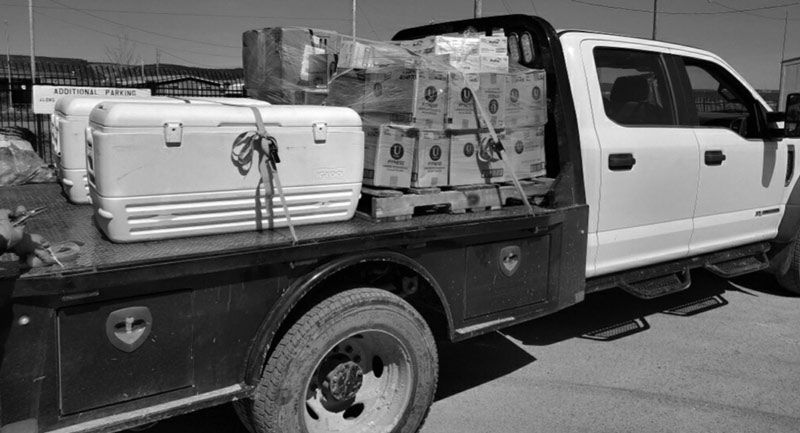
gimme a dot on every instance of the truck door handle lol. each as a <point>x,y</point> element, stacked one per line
<point>714,157</point>
<point>621,161</point>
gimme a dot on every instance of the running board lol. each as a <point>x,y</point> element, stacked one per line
<point>658,286</point>
<point>739,266</point>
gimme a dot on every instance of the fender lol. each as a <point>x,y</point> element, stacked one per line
<point>790,223</point>
<point>303,285</point>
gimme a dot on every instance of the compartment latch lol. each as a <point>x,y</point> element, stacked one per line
<point>128,328</point>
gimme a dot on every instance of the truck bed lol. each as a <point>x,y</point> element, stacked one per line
<point>63,221</point>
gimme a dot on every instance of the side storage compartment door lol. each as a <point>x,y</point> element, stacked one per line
<point>122,350</point>
<point>649,165</point>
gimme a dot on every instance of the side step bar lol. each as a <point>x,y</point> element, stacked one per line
<point>739,266</point>
<point>662,279</point>
<point>658,286</point>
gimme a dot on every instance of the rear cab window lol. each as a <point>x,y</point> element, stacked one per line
<point>635,87</point>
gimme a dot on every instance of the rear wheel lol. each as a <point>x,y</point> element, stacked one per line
<point>361,361</point>
<point>790,279</point>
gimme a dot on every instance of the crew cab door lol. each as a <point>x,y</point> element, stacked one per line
<point>742,175</point>
<point>649,165</point>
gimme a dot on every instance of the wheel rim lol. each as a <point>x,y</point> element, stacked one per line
<point>363,383</point>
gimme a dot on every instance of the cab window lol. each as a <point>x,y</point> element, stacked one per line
<point>717,99</point>
<point>634,86</point>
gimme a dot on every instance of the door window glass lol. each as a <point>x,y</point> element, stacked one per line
<point>719,98</point>
<point>634,86</point>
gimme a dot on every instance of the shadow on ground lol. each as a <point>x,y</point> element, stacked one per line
<point>611,307</point>
<point>469,364</point>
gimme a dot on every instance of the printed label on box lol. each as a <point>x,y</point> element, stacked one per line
<point>472,160</point>
<point>525,150</point>
<point>419,94</point>
<point>526,99</point>
<point>491,96</point>
<point>431,159</point>
<point>388,156</point>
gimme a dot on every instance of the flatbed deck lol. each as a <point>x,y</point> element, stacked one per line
<point>63,221</point>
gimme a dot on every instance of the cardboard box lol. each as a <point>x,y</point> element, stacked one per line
<point>461,112</point>
<point>354,54</point>
<point>491,96</point>
<point>496,45</point>
<point>473,162</point>
<point>431,159</point>
<point>415,95</point>
<point>388,156</point>
<point>347,89</point>
<point>282,65</point>
<point>457,45</point>
<point>526,99</point>
<point>525,150</point>
<point>494,63</point>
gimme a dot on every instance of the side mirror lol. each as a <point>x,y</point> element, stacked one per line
<point>792,122</point>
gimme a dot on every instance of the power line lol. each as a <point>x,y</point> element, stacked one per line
<point>143,30</point>
<point>133,40</point>
<point>750,13</point>
<point>184,14</point>
<point>649,11</point>
<point>505,5</point>
<point>533,6</point>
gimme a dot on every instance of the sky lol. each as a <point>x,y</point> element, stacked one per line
<point>748,34</point>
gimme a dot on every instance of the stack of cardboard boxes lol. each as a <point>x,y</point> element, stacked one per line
<point>417,99</point>
<point>423,125</point>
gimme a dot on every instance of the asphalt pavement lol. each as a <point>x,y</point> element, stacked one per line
<point>723,356</point>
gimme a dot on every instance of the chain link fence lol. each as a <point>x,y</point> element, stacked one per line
<point>16,88</point>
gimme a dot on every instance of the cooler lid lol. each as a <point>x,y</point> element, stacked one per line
<point>131,115</point>
<point>75,105</point>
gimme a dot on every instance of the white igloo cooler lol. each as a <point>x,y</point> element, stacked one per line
<point>159,171</point>
<point>68,127</point>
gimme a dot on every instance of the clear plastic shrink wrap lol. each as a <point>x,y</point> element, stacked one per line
<point>418,100</point>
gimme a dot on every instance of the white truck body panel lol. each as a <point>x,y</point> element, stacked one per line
<point>670,204</point>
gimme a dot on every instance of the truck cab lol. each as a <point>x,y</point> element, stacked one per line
<point>671,172</point>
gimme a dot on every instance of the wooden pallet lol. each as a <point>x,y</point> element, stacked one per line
<point>399,205</point>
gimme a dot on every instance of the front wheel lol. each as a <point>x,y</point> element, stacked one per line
<point>363,360</point>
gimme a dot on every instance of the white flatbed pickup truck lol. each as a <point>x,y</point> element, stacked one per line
<point>337,332</point>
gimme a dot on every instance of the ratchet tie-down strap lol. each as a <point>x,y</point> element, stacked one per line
<point>242,155</point>
<point>497,146</point>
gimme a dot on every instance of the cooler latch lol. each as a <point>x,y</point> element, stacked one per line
<point>320,131</point>
<point>173,133</point>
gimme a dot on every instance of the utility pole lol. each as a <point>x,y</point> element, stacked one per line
<point>158,61</point>
<point>783,55</point>
<point>478,8</point>
<point>33,51</point>
<point>8,69</point>
<point>655,17</point>
<point>354,20</point>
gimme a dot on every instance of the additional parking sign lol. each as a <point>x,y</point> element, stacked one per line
<point>45,97</point>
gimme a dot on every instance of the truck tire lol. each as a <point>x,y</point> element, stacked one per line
<point>790,280</point>
<point>361,361</point>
